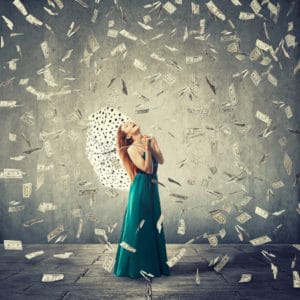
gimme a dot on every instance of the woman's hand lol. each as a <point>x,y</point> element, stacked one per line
<point>146,140</point>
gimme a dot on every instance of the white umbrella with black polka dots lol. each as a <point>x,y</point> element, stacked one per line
<point>101,147</point>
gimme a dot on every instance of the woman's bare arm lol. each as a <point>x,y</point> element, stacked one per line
<point>144,164</point>
<point>156,151</point>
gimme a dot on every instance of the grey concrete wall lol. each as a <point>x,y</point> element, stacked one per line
<point>188,160</point>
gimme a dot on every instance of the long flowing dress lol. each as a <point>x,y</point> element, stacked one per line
<point>146,244</point>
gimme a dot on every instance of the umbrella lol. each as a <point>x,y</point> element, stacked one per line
<point>101,147</point>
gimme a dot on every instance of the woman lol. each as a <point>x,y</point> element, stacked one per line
<point>142,241</point>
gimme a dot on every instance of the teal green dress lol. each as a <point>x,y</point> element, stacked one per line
<point>150,249</point>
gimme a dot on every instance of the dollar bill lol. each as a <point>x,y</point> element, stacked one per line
<point>169,78</point>
<point>277,184</point>
<point>290,40</point>
<point>52,277</point>
<point>27,190</point>
<point>8,22</point>
<point>12,245</point>
<point>142,111</point>
<point>229,38</point>
<point>262,45</point>
<point>274,269</point>
<point>101,232</point>
<point>15,208</point>
<point>46,206</point>
<point>255,77</point>
<point>159,223</point>
<point>33,20</point>
<point>64,255</point>
<point>256,7</point>
<point>48,148</point>
<point>246,16</point>
<point>288,112</point>
<point>263,117</point>
<point>119,49</point>
<point>61,238</point>
<point>239,230</point>
<point>213,261</point>
<point>222,233</point>
<point>27,118</point>
<point>169,7</point>
<point>32,255</point>
<point>197,277</point>
<point>245,278</point>
<point>255,54</point>
<point>139,65</point>
<point>21,8</point>
<point>93,43</point>
<point>265,61</point>
<point>87,192</point>
<point>202,25</point>
<point>128,35</point>
<point>296,280</point>
<point>193,59</point>
<point>243,217</point>
<point>181,226</point>
<point>175,259</point>
<point>67,55</point>
<point>272,79</point>
<point>236,149</point>
<point>186,34</point>
<point>141,224</point>
<point>222,263</point>
<point>233,47</point>
<point>218,216</point>
<point>156,37</point>
<point>236,2</point>
<point>287,163</point>
<point>108,263</point>
<point>215,10</point>
<point>45,49</point>
<point>8,103</point>
<point>278,213</point>
<point>31,222</point>
<point>261,212</point>
<point>212,239</point>
<point>145,26</point>
<point>157,57</point>
<point>79,230</point>
<point>95,15</point>
<point>49,78</point>
<point>260,240</point>
<point>232,94</point>
<point>55,232</point>
<point>147,19</point>
<point>195,8</point>
<point>127,247</point>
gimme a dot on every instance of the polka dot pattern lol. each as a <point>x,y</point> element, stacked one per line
<point>101,147</point>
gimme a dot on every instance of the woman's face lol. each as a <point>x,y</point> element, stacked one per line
<point>129,128</point>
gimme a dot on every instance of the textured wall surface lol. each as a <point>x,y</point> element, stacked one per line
<point>222,99</point>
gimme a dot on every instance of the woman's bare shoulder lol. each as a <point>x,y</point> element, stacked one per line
<point>135,149</point>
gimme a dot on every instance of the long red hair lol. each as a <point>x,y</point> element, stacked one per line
<point>122,145</point>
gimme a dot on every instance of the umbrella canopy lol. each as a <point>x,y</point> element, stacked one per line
<point>101,147</point>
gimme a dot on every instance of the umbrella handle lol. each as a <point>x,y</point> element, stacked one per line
<point>114,150</point>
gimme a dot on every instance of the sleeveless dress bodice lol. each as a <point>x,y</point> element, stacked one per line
<point>145,247</point>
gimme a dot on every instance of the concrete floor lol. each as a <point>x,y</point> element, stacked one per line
<point>86,278</point>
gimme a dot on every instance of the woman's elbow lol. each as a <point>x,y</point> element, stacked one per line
<point>149,171</point>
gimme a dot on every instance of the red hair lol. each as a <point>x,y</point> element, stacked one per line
<point>122,145</point>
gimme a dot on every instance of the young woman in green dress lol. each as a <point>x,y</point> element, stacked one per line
<point>142,244</point>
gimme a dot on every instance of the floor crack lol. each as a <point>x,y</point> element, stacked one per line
<point>82,274</point>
